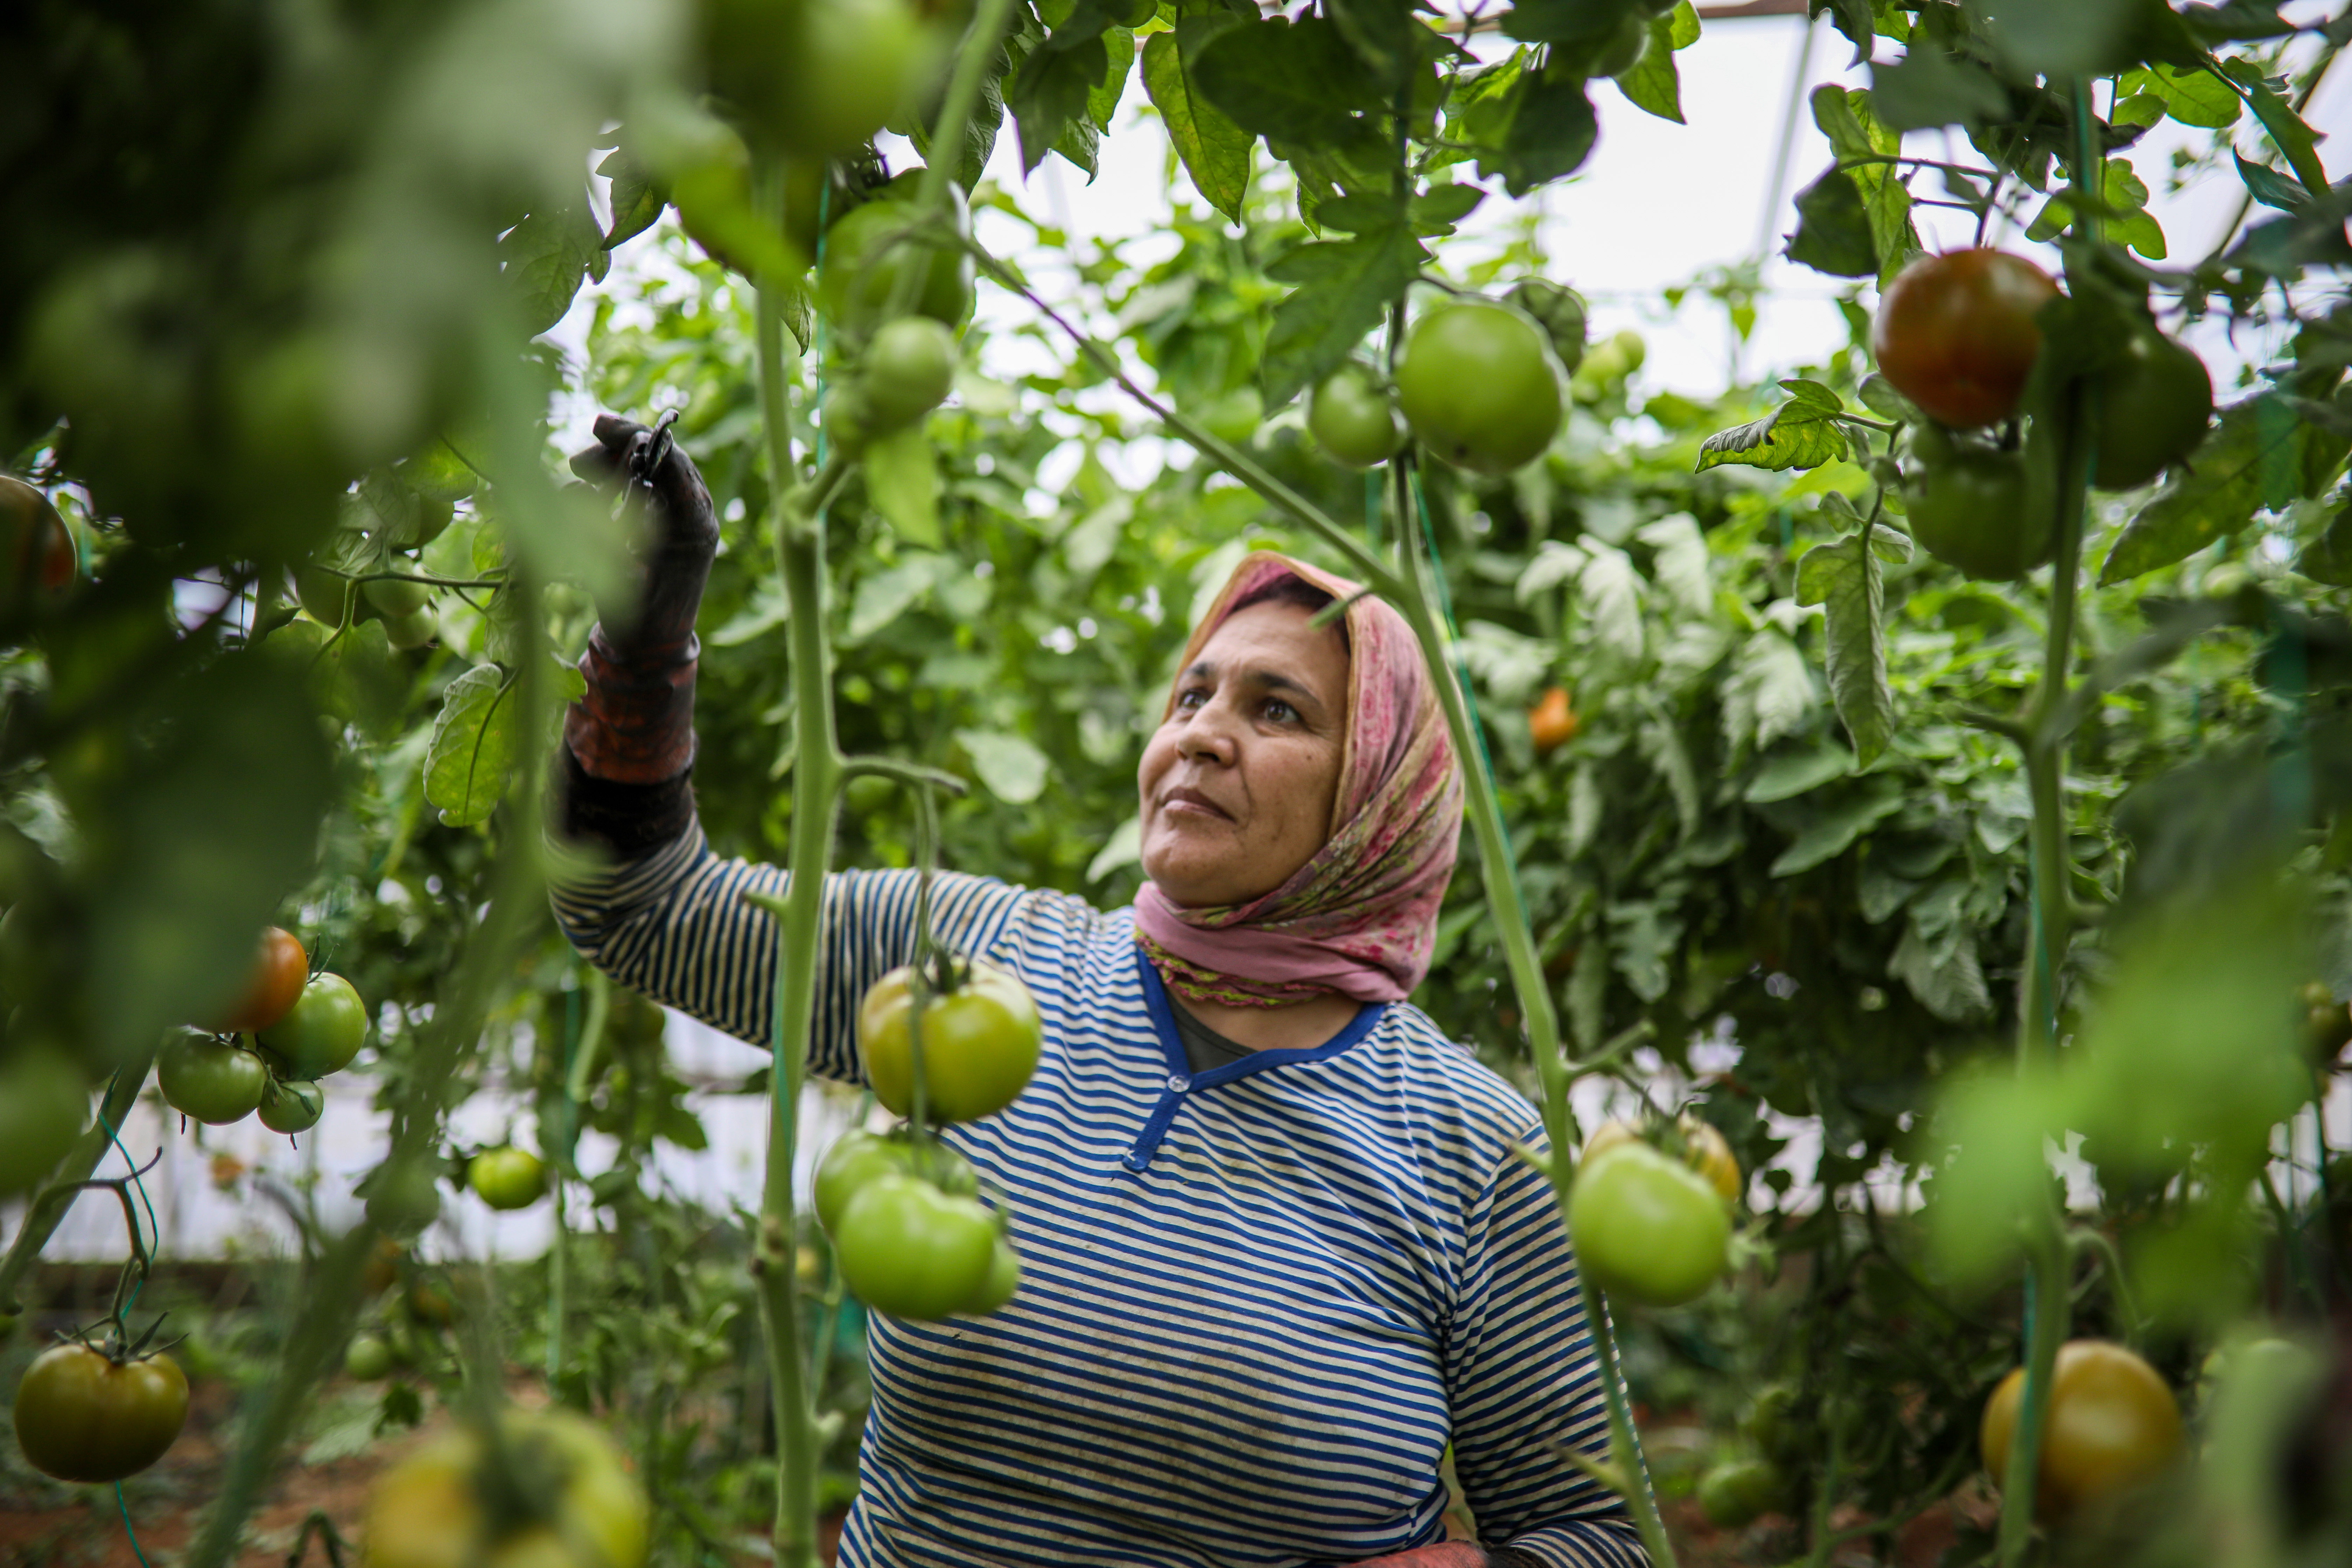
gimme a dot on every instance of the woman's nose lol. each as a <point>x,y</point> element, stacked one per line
<point>1209,735</point>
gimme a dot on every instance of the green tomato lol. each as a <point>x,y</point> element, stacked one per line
<point>863,261</point>
<point>290,1106</point>
<point>1771,1423</point>
<point>816,78</point>
<point>1734,1493</point>
<point>980,1043</point>
<point>397,596</point>
<point>1352,415</point>
<point>1003,1281</point>
<point>326,596</point>
<point>455,1502</point>
<point>1648,1227</point>
<point>214,1082</point>
<point>1622,47</point>
<point>1967,506</point>
<point>912,1251</point>
<point>367,1359</point>
<point>323,1032</point>
<point>2154,401</point>
<point>44,1104</point>
<point>857,1157</point>
<point>1480,385</point>
<point>84,1416</point>
<point>908,369</point>
<point>409,632</point>
<point>508,1178</point>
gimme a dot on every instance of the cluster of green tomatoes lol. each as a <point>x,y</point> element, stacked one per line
<point>268,1053</point>
<point>1478,382</point>
<point>908,1229</point>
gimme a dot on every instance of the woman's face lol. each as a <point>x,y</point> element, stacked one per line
<point>1236,786</point>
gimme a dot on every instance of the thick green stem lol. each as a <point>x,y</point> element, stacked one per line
<point>1624,1444</point>
<point>2045,1330</point>
<point>816,788</point>
<point>47,1210</point>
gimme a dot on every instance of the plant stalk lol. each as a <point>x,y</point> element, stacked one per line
<point>47,1210</point>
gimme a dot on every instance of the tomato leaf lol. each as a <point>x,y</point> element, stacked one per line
<point>1345,287</point>
<point>473,746</point>
<point>2259,455</point>
<point>544,260</point>
<point>1383,33</point>
<point>1857,137</point>
<point>1832,827</point>
<point>1214,150</point>
<point>1930,87</point>
<point>1944,973</point>
<point>1842,576</point>
<point>1801,433</point>
<point>637,195</point>
<point>2328,558</point>
<point>2191,97</point>
<point>1834,228</point>
<point>1049,94</point>
<point>2297,142</point>
<point>1654,85</point>
<point>1013,769</point>
<point>1293,81</point>
<point>1769,694</point>
<point>902,482</point>
<point>1551,132</point>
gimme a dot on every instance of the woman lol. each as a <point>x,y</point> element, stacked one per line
<point>1278,1251</point>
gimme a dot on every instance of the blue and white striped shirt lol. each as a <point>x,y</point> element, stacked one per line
<point>1256,1303</point>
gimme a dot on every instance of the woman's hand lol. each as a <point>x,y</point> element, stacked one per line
<point>1445,1554</point>
<point>675,555</point>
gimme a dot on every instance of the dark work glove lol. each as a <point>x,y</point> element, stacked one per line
<point>630,740</point>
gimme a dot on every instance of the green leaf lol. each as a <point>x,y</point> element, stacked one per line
<point>1344,288</point>
<point>1768,693</point>
<point>2269,186</point>
<point>637,196</point>
<point>1944,973</point>
<point>1081,137</point>
<point>1834,228</point>
<point>1833,829</point>
<point>473,746</point>
<point>1842,576</point>
<point>1123,848</point>
<point>2046,38</point>
<point>1013,769</point>
<point>1855,132</point>
<point>2328,558</point>
<point>1795,772</point>
<point>1799,434</point>
<point>2195,98</point>
<point>1383,33</point>
<point>1562,21</point>
<point>1931,87</point>
<point>1878,395</point>
<point>544,260</point>
<point>1551,132</point>
<point>2255,457</point>
<point>1293,81</point>
<point>1049,95</point>
<point>883,596</point>
<point>1654,85</point>
<point>1215,152</point>
<point>902,482</point>
<point>2297,142</point>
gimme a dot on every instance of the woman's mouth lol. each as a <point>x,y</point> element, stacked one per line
<point>1192,803</point>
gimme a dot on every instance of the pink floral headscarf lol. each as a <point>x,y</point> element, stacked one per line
<point>1360,917</point>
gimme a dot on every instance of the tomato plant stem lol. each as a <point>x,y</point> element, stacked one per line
<point>47,1209</point>
<point>816,784</point>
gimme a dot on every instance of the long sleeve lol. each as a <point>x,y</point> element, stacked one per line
<point>1521,1378</point>
<point>673,925</point>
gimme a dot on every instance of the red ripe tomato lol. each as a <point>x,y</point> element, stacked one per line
<point>1956,333</point>
<point>561,1497</point>
<point>215,1082</point>
<point>82,1415</point>
<point>37,548</point>
<point>2112,1424</point>
<point>1551,722</point>
<point>913,1251</point>
<point>321,1033</point>
<point>1646,1227</point>
<point>279,973</point>
<point>980,1043</point>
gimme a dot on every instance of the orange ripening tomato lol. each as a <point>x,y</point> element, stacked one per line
<point>279,973</point>
<point>1955,334</point>
<point>1551,722</point>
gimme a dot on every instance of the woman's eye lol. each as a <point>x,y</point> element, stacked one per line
<point>1280,712</point>
<point>1191,696</point>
